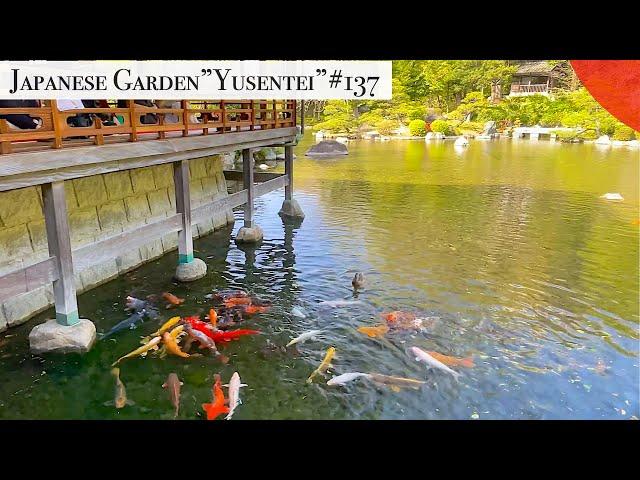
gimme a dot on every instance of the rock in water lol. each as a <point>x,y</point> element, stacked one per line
<point>612,196</point>
<point>434,136</point>
<point>489,128</point>
<point>53,337</point>
<point>603,140</point>
<point>327,148</point>
<point>461,142</point>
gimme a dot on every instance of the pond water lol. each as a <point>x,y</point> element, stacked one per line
<point>506,246</point>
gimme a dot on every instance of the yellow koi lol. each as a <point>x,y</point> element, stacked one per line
<point>165,326</point>
<point>326,363</point>
<point>176,332</point>
<point>142,351</point>
<point>172,346</point>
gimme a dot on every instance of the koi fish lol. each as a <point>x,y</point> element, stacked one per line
<point>398,316</point>
<point>135,304</point>
<point>251,309</point>
<point>298,312</point>
<point>422,356</point>
<point>236,301</point>
<point>234,393</point>
<point>303,337</point>
<point>213,318</point>
<point>165,326</point>
<point>175,333</point>
<point>346,377</point>
<point>229,335</point>
<point>326,363</point>
<point>340,303</point>
<point>120,397</point>
<point>204,340</point>
<point>172,346</point>
<point>130,323</point>
<point>395,382</point>
<point>217,407</point>
<point>453,361</point>
<point>373,332</point>
<point>199,325</point>
<point>142,351</point>
<point>172,299</point>
<point>635,221</point>
<point>173,385</point>
<point>141,306</point>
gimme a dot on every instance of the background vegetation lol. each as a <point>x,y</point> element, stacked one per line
<point>456,95</point>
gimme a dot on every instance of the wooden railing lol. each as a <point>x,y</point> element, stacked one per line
<point>536,88</point>
<point>126,124</point>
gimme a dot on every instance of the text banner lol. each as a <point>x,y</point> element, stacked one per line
<point>197,80</point>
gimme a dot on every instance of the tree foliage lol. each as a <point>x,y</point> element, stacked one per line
<point>460,90</point>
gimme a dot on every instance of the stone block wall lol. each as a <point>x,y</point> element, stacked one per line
<point>99,207</point>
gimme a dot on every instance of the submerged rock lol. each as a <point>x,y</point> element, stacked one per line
<point>50,336</point>
<point>327,148</point>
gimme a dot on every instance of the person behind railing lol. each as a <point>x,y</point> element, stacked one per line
<point>169,117</point>
<point>21,121</point>
<point>146,118</point>
<point>108,119</point>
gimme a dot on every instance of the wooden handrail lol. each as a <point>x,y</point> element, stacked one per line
<point>212,116</point>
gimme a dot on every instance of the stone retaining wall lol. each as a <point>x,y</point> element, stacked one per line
<point>99,207</point>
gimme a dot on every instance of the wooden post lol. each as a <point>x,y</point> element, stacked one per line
<point>99,138</point>
<point>247,169</point>
<point>57,226</point>
<point>5,147</point>
<point>288,171</point>
<point>57,125</point>
<point>185,117</point>
<point>183,206</point>
<point>134,121</point>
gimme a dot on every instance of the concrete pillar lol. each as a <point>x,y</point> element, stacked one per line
<point>189,268</point>
<point>68,332</point>
<point>250,232</point>
<point>290,207</point>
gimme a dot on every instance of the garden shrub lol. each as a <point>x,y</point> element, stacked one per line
<point>385,127</point>
<point>624,133</point>
<point>441,126</point>
<point>418,128</point>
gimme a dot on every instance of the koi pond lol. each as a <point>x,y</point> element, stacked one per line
<point>504,249</point>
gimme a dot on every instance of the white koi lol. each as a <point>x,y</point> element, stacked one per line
<point>346,377</point>
<point>422,356</point>
<point>303,337</point>
<point>234,393</point>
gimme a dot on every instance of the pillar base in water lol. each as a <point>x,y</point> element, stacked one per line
<point>249,235</point>
<point>291,208</point>
<point>50,336</point>
<point>189,272</point>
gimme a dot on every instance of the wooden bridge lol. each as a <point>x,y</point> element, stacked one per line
<point>49,155</point>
